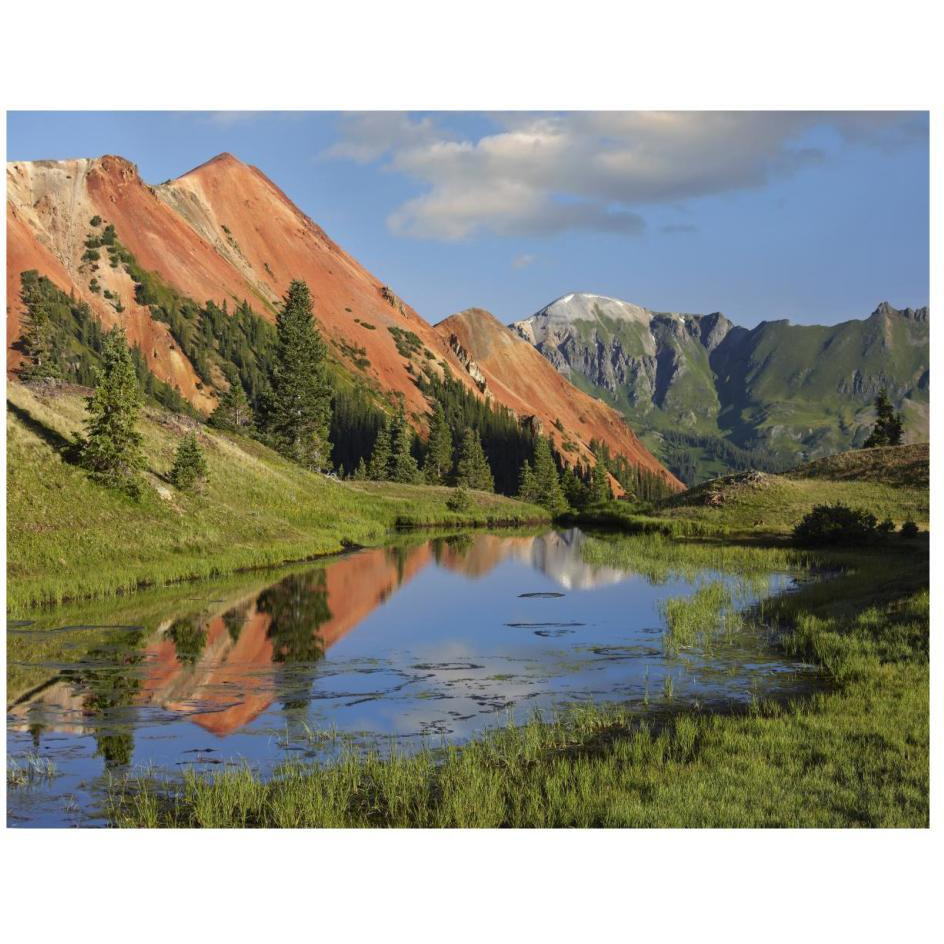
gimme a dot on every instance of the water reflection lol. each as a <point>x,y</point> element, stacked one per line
<point>453,633</point>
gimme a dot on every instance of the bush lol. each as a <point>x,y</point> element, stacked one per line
<point>886,527</point>
<point>835,524</point>
<point>459,500</point>
<point>909,530</point>
<point>95,221</point>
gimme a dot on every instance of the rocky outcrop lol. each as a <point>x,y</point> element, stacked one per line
<point>465,358</point>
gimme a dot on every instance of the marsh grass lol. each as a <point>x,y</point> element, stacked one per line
<point>856,755</point>
<point>697,619</point>
<point>28,770</point>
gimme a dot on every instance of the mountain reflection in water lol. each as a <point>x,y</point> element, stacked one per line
<point>222,668</point>
<point>453,634</point>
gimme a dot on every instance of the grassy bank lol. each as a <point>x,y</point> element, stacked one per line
<point>854,756</point>
<point>69,538</point>
<point>890,482</point>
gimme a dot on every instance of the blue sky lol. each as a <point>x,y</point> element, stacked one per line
<point>806,216</point>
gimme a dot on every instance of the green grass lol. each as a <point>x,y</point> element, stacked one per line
<point>854,755</point>
<point>69,538</point>
<point>29,769</point>
<point>889,482</point>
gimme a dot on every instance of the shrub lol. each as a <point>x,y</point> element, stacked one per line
<point>909,530</point>
<point>459,500</point>
<point>834,524</point>
<point>95,220</point>
<point>886,527</point>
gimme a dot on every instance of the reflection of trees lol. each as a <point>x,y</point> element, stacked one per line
<point>398,557</point>
<point>110,679</point>
<point>460,544</point>
<point>297,607</point>
<point>235,619</point>
<point>189,636</point>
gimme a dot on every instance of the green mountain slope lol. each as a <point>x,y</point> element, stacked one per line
<point>70,538</point>
<point>709,397</point>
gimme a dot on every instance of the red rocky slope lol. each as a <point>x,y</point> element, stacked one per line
<point>225,232</point>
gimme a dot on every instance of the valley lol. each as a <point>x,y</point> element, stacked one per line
<point>282,552</point>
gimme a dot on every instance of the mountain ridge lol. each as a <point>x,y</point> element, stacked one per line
<point>781,391</point>
<point>224,232</point>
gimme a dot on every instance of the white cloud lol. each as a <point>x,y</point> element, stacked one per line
<point>545,173</point>
<point>523,261</point>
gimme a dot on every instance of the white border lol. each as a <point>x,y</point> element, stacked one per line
<point>462,886</point>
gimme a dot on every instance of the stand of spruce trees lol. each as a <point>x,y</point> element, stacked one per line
<point>280,389</point>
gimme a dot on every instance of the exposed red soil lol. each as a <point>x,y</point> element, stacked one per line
<point>225,232</point>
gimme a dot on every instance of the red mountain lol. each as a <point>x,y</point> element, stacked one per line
<point>225,232</point>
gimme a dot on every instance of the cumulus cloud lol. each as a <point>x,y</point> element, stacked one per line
<point>538,174</point>
<point>523,261</point>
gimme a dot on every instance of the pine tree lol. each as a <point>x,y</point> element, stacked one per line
<point>600,490</point>
<point>379,468</point>
<point>233,411</point>
<point>111,450</point>
<point>546,478</point>
<point>360,472</point>
<point>403,467</point>
<point>528,484</point>
<point>888,424</point>
<point>437,466</point>
<point>190,465</point>
<point>472,469</point>
<point>573,488</point>
<point>38,339</point>
<point>298,410</point>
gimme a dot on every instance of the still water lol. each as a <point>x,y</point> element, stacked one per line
<point>426,641</point>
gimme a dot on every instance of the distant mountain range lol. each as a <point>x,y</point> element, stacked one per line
<point>708,396</point>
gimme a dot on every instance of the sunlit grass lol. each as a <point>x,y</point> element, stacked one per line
<point>69,538</point>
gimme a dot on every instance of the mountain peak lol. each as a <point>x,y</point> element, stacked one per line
<point>222,161</point>
<point>884,309</point>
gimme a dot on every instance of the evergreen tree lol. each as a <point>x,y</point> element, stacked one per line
<point>528,485</point>
<point>37,342</point>
<point>547,481</point>
<point>379,468</point>
<point>298,411</point>
<point>599,490</point>
<point>888,424</point>
<point>111,450</point>
<point>360,472</point>
<point>403,466</point>
<point>190,465</point>
<point>472,469</point>
<point>573,488</point>
<point>233,411</point>
<point>437,466</point>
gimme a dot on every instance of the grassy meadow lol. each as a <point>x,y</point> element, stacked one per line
<point>70,538</point>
